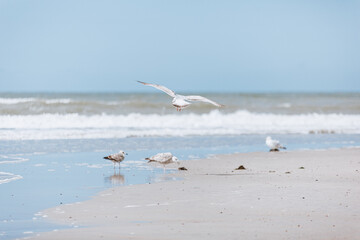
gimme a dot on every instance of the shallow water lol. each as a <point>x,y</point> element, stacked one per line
<point>52,179</point>
<point>58,172</point>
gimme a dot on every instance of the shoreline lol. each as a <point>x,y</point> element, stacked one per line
<point>307,194</point>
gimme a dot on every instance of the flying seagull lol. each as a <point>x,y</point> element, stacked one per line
<point>181,101</point>
<point>116,157</point>
<point>163,158</point>
<point>273,144</point>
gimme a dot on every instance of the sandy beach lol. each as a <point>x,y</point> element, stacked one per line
<point>310,194</point>
<point>208,82</point>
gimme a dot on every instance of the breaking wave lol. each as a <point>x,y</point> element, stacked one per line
<point>15,100</point>
<point>9,101</point>
<point>77,126</point>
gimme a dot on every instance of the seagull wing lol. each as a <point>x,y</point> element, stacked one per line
<point>162,157</point>
<point>202,99</point>
<point>162,88</point>
<point>117,156</point>
<point>276,143</point>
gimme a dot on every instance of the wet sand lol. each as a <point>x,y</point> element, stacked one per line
<point>281,195</point>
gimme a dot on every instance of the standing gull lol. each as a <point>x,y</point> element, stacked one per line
<point>116,157</point>
<point>181,101</point>
<point>163,158</point>
<point>273,144</point>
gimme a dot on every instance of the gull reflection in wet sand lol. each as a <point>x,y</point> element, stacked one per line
<point>115,179</point>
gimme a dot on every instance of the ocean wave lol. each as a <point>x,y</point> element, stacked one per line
<point>16,100</point>
<point>11,159</point>
<point>58,101</point>
<point>9,101</point>
<point>73,126</point>
<point>124,103</point>
<point>8,177</point>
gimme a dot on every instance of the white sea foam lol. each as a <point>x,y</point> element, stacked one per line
<point>39,165</point>
<point>9,101</point>
<point>11,159</point>
<point>15,100</point>
<point>92,165</point>
<point>8,177</point>
<point>284,105</point>
<point>58,100</point>
<point>75,126</point>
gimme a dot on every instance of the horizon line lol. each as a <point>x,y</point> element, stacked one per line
<point>152,92</point>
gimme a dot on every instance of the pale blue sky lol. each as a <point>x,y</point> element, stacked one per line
<point>236,46</point>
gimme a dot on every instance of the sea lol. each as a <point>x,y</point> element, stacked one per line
<point>52,144</point>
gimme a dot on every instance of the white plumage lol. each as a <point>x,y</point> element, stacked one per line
<point>273,144</point>
<point>181,101</point>
<point>163,158</point>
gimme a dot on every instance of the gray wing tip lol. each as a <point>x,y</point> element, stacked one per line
<point>142,82</point>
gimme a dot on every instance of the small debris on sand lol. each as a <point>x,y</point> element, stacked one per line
<point>182,168</point>
<point>241,167</point>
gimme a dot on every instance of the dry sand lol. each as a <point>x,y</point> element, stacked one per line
<point>280,195</point>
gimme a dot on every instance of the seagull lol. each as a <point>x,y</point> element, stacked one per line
<point>181,101</point>
<point>163,158</point>
<point>273,144</point>
<point>116,157</point>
